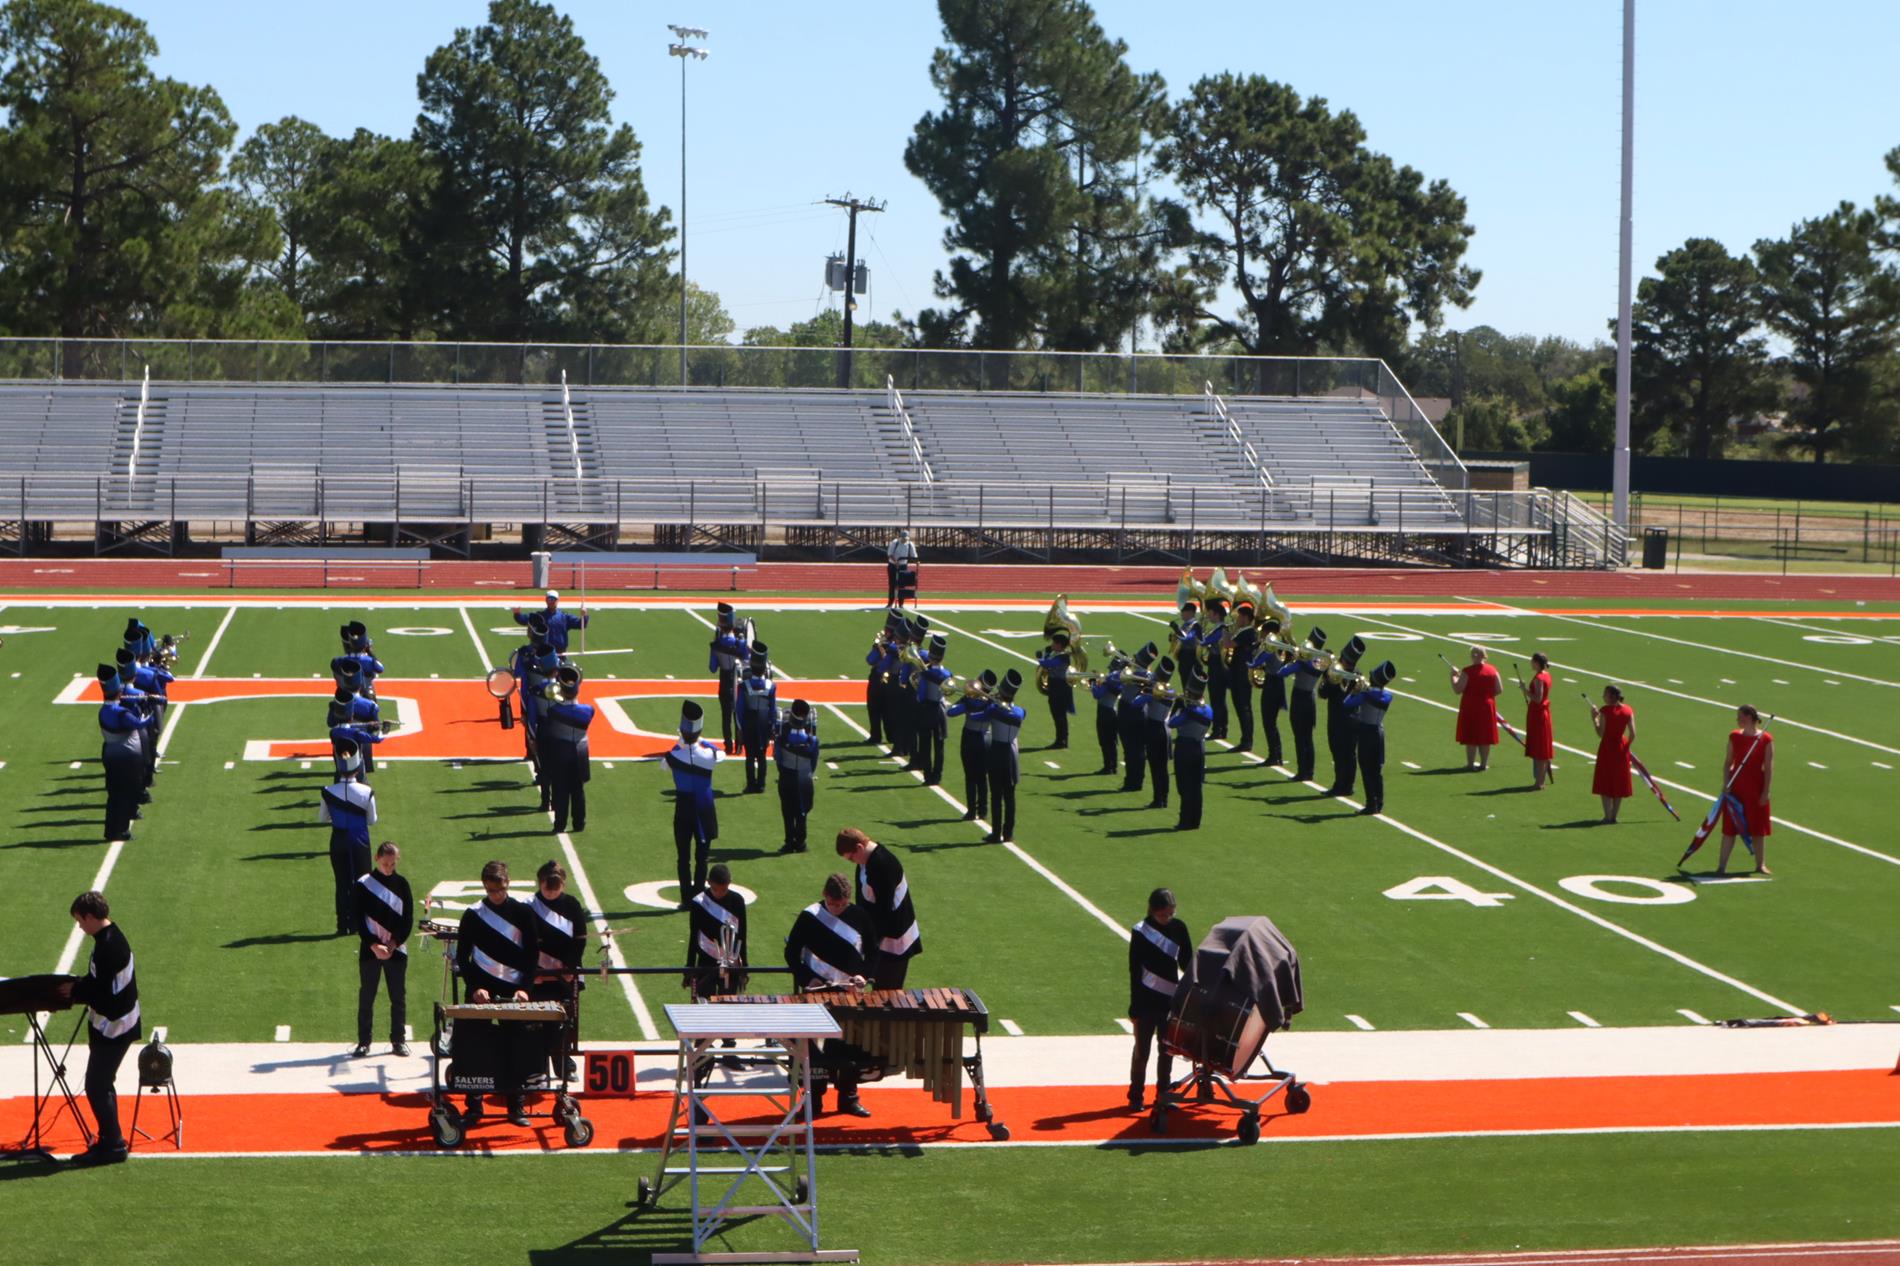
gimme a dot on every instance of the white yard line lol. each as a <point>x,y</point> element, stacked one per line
<point>282,1034</point>
<point>1645,685</point>
<point>1359,1022</point>
<point>1583,1019</point>
<point>204,660</point>
<point>1692,1017</point>
<point>481,651</point>
<point>1831,632</point>
<point>1472,1020</point>
<point>1012,1028</point>
<point>641,1016</point>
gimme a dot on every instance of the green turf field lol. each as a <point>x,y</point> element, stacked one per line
<point>1477,898</point>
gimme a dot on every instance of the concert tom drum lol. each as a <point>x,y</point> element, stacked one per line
<point>1222,1031</point>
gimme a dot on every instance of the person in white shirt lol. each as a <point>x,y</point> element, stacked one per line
<point>899,558</point>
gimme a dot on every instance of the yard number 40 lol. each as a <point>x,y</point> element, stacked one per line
<point>1445,888</point>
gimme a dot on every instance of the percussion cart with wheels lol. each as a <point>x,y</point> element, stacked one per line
<point>517,1064</point>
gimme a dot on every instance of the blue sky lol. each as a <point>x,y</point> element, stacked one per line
<point>1751,115</point>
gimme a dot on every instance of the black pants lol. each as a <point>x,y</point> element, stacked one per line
<point>125,778</point>
<point>151,745</point>
<point>1241,697</point>
<point>794,806</point>
<point>103,1057</point>
<point>891,971</point>
<point>1371,743</point>
<point>1134,735</point>
<point>755,735</point>
<point>1344,746</point>
<point>890,584</point>
<point>1272,704</point>
<point>897,717</point>
<point>1156,738</point>
<point>974,748</point>
<point>565,772</point>
<point>728,693</point>
<point>349,862</point>
<point>1108,734</point>
<point>874,705</point>
<point>1061,704</point>
<point>1190,770</point>
<point>1303,715</point>
<point>932,728</point>
<point>394,970</point>
<point>1148,1036</point>
<point>1217,693</point>
<point>1002,771</point>
<point>694,830</point>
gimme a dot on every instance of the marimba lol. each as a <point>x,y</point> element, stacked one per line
<point>518,1012</point>
<point>913,1033</point>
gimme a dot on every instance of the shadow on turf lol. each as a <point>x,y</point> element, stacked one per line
<point>1503,791</point>
<point>1573,825</point>
<point>287,826</point>
<point>282,938</point>
<point>1440,773</point>
<point>62,808</point>
<point>52,826</point>
<point>283,857</point>
<point>632,1238</point>
<point>71,842</point>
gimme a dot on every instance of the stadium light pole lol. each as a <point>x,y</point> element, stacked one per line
<point>684,52</point>
<point>1620,467</point>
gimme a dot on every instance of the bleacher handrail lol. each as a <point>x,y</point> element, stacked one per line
<point>1218,407</point>
<point>138,424</point>
<point>573,436</point>
<point>894,400</point>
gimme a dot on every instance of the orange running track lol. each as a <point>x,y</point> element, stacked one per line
<point>307,1123</point>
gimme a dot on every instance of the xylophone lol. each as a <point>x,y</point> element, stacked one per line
<point>528,1012</point>
<point>912,1033</point>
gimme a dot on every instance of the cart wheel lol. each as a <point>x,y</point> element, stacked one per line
<point>643,1196</point>
<point>446,1127</point>
<point>1298,1099</point>
<point>801,1190</point>
<point>579,1131</point>
<point>1249,1129</point>
<point>999,1132</point>
<point>566,1110</point>
<point>985,1113</point>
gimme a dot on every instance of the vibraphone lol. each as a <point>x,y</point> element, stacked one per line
<point>913,1033</point>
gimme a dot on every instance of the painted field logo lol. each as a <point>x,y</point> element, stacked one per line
<point>458,720</point>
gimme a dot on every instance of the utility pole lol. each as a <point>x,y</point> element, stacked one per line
<point>683,51</point>
<point>1620,462</point>
<point>853,206</point>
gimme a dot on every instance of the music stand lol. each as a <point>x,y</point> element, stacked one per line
<point>32,1144</point>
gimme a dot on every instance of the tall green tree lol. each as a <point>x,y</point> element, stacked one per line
<point>1698,362</point>
<point>277,168</point>
<point>1328,244</point>
<point>1031,159</point>
<point>369,273</point>
<point>113,222</point>
<point>1581,417</point>
<point>540,222</point>
<point>1825,292</point>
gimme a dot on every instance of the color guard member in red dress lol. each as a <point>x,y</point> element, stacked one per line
<point>1540,742</point>
<point>1477,688</point>
<point>1615,724</point>
<point>1751,764</point>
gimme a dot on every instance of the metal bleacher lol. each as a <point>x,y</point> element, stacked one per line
<point>1340,461</point>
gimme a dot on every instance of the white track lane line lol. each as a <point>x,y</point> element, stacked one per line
<point>1063,886</point>
<point>1650,686</point>
<point>1687,790</point>
<point>1833,632</point>
<point>1596,622</point>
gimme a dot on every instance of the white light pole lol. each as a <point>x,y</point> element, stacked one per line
<point>684,51</point>
<point>1620,467</point>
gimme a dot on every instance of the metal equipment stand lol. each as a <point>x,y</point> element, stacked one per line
<point>32,1147</point>
<point>779,1035</point>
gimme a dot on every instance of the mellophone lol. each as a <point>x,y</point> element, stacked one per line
<point>519,1012</point>
<point>910,1032</point>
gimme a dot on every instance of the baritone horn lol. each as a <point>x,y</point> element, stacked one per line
<point>1058,620</point>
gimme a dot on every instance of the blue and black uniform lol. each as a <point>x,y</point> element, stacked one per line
<point>973,746</point>
<point>882,658</point>
<point>1369,708</point>
<point>125,729</point>
<point>349,807</point>
<point>564,765</point>
<point>1246,643</point>
<point>1302,714</point>
<point>758,715</point>
<point>1272,701</point>
<point>1056,663</point>
<point>796,753</point>
<point>1106,692</point>
<point>1213,642</point>
<point>1155,736</point>
<point>933,723</point>
<point>1341,739</point>
<point>695,819</point>
<point>724,656</point>
<point>559,623</point>
<point>1006,724</point>
<point>1157,955</point>
<point>1131,715</point>
<point>1190,721</point>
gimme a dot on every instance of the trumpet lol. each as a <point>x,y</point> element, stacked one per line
<point>168,648</point>
<point>964,688</point>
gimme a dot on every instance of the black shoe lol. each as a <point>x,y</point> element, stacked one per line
<point>98,1154</point>
<point>969,815</point>
<point>517,1112</point>
<point>787,847</point>
<point>1059,745</point>
<point>1108,769</point>
<point>1157,804</point>
<point>1371,810</point>
<point>992,838</point>
<point>398,1047</point>
<point>851,1106</point>
<point>361,1051</point>
<point>1134,1098</point>
<point>1332,791</point>
<point>471,1113</point>
<point>1302,775</point>
<point>580,824</point>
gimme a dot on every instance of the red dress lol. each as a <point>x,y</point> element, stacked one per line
<point>1540,741</point>
<point>1612,776</point>
<point>1747,786</point>
<point>1478,707</point>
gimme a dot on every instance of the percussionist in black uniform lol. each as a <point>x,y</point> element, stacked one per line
<point>560,924</point>
<point>497,953</point>
<point>110,991</point>
<point>832,945</point>
<point>1158,952</point>
<point>885,894</point>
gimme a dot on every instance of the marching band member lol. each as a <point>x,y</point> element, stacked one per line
<point>832,946</point>
<point>559,623</point>
<point>1342,739</point>
<point>715,910</point>
<point>904,701</point>
<point>125,727</point>
<point>727,649</point>
<point>882,658</point>
<point>695,819</point>
<point>1056,659</point>
<point>1157,955</point>
<point>884,894</point>
<point>560,928</point>
<point>973,745</point>
<point>1748,771</point>
<point>562,738</point>
<point>1540,741</point>
<point>1477,688</point>
<point>1615,724</point>
<point>1302,709</point>
<point>1272,694</point>
<point>348,806</point>
<point>796,751</point>
<point>356,646</point>
<point>1006,723</point>
<point>385,915</point>
<point>1156,707</point>
<point>898,713</point>
<point>1190,719</point>
<point>150,680</point>
<point>543,665</point>
<point>139,639</point>
<point>520,665</point>
<point>758,712</point>
<point>1368,708</point>
<point>1131,711</point>
<point>1213,642</point>
<point>932,722</point>
<point>1245,643</point>
<point>1187,633</point>
<point>1106,690</point>
<point>496,954</point>
<point>110,991</point>
<point>353,717</point>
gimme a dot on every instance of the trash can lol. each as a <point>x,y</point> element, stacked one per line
<point>543,567</point>
<point>1655,548</point>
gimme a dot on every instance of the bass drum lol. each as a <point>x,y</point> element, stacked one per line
<point>1221,1031</point>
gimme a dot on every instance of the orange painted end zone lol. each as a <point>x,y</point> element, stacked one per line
<point>276,1123</point>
